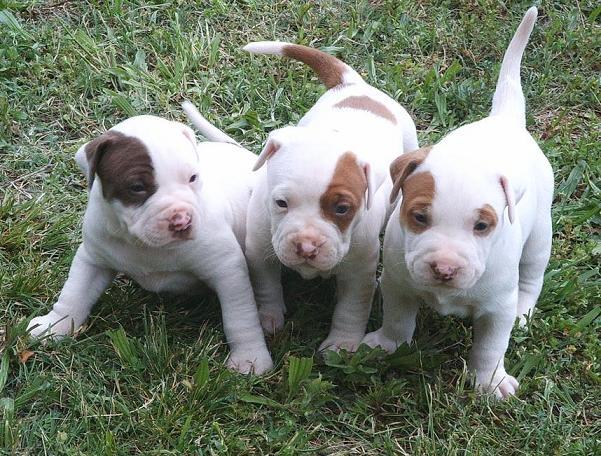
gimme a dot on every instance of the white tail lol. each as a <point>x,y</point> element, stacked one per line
<point>206,128</point>
<point>331,71</point>
<point>509,98</point>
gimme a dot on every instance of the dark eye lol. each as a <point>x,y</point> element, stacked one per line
<point>193,178</point>
<point>281,203</point>
<point>420,218</point>
<point>481,226</point>
<point>138,187</point>
<point>342,209</point>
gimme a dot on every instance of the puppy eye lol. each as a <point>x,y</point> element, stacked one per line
<point>481,226</point>
<point>281,203</point>
<point>137,188</point>
<point>193,178</point>
<point>420,218</point>
<point>342,209</point>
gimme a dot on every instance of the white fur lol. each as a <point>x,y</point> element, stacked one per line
<point>135,241</point>
<point>500,275</point>
<point>300,162</point>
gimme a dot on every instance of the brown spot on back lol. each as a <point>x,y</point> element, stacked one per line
<point>488,215</point>
<point>328,68</point>
<point>366,103</point>
<point>403,166</point>
<point>347,189</point>
<point>418,193</point>
<point>123,165</point>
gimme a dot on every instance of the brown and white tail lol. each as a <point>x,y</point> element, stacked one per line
<point>206,128</point>
<point>331,71</point>
<point>509,98</point>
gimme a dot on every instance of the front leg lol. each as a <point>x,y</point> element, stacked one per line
<point>398,320</point>
<point>241,323</point>
<point>355,286</point>
<point>266,277</point>
<point>86,282</point>
<point>491,338</point>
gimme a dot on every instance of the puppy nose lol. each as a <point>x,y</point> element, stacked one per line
<point>307,249</point>
<point>180,221</point>
<point>443,271</point>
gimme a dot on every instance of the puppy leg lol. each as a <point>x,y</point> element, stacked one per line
<point>400,312</point>
<point>535,257</point>
<point>355,287</point>
<point>491,337</point>
<point>83,287</point>
<point>241,325</point>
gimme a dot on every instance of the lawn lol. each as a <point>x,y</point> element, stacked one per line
<point>146,375</point>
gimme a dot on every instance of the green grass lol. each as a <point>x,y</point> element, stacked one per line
<point>146,375</point>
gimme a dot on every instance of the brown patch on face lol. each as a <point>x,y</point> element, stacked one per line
<point>403,166</point>
<point>418,193</point>
<point>366,103</point>
<point>123,165</point>
<point>328,68</point>
<point>487,220</point>
<point>346,191</point>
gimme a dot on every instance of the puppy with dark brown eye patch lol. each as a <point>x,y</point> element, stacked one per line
<point>471,233</point>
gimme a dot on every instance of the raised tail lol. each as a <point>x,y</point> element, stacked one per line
<point>331,71</point>
<point>509,98</point>
<point>206,128</point>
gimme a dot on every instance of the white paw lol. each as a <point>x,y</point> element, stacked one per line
<point>378,339</point>
<point>51,325</point>
<point>250,362</point>
<point>502,385</point>
<point>337,343</point>
<point>272,320</point>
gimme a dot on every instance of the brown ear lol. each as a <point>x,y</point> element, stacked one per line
<point>94,151</point>
<point>403,166</point>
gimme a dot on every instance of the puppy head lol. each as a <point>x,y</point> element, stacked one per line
<point>145,170</point>
<point>450,215</point>
<point>318,190</point>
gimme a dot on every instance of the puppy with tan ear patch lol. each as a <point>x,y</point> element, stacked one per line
<point>321,198</point>
<point>171,214</point>
<point>472,233</point>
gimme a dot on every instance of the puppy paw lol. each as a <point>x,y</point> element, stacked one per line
<point>378,339</point>
<point>337,343</point>
<point>51,325</point>
<point>272,320</point>
<point>250,362</point>
<point>502,385</point>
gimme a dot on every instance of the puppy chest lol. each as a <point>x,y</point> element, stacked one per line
<point>173,282</point>
<point>449,305</point>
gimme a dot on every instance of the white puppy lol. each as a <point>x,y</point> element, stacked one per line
<point>322,198</point>
<point>451,244</point>
<point>171,214</point>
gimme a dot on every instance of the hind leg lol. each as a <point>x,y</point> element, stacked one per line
<point>533,263</point>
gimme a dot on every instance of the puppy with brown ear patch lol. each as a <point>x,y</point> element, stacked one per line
<point>321,198</point>
<point>472,233</point>
<point>171,214</point>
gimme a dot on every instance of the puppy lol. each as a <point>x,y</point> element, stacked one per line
<point>171,214</point>
<point>472,234</point>
<point>321,199</point>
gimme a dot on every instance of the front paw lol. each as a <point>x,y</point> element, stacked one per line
<point>501,384</point>
<point>250,362</point>
<point>341,342</point>
<point>272,320</point>
<point>52,325</point>
<point>378,339</point>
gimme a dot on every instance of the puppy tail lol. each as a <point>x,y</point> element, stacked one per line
<point>206,128</point>
<point>509,98</point>
<point>331,71</point>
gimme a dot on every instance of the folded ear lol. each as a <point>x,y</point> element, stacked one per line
<point>89,155</point>
<point>188,133</point>
<point>402,167</point>
<point>373,183</point>
<point>512,197</point>
<point>274,142</point>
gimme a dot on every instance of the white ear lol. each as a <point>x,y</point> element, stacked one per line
<point>188,133</point>
<point>271,147</point>
<point>512,197</point>
<point>371,181</point>
<point>82,160</point>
